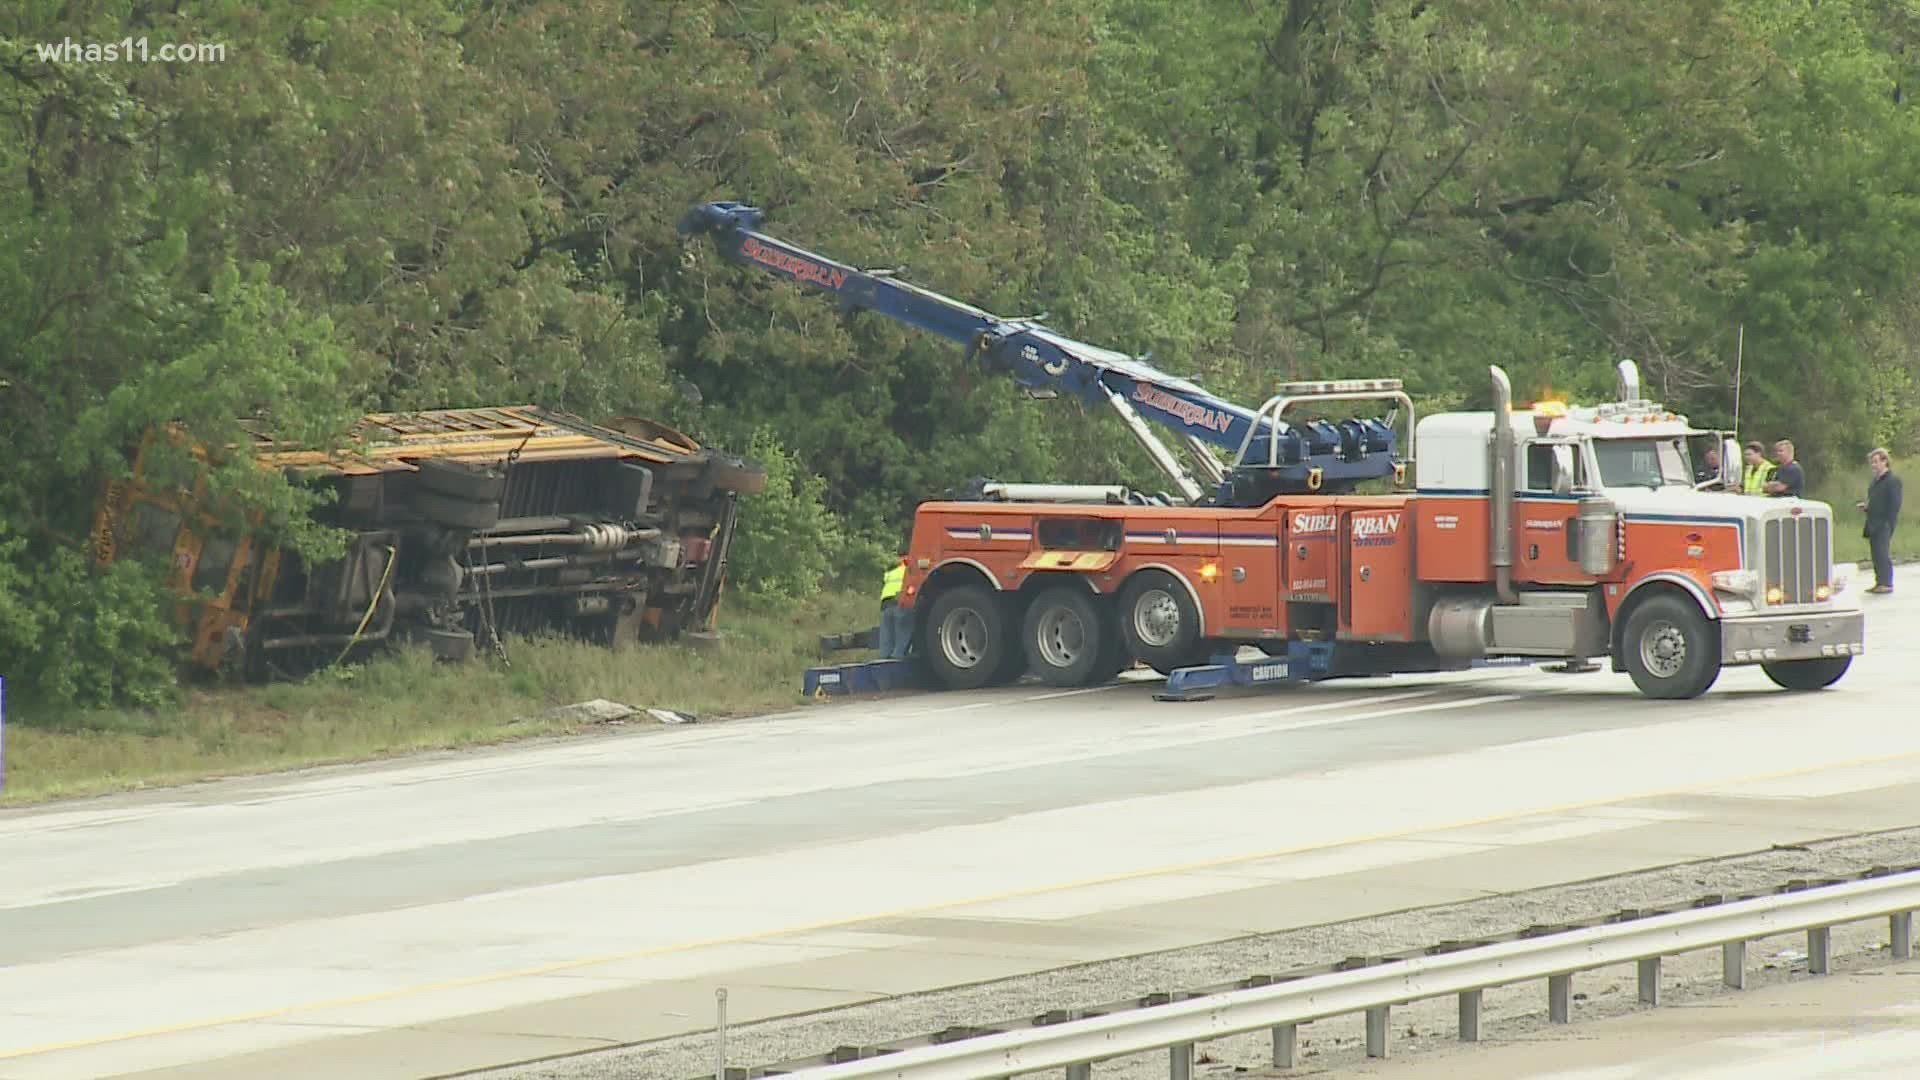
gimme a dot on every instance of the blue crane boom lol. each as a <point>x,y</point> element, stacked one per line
<point>1312,456</point>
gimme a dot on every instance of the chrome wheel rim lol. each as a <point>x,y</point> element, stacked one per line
<point>1156,618</point>
<point>1062,637</point>
<point>963,637</point>
<point>1663,650</point>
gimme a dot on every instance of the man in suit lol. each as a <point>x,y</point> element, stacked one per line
<point>1882,505</point>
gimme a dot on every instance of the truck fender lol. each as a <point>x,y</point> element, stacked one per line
<point>1651,585</point>
<point>992,578</point>
<point>1693,588</point>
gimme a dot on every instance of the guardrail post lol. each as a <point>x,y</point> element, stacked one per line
<point>1819,950</point>
<point>1377,1020</point>
<point>720,1034</point>
<point>1650,981</point>
<point>1286,1040</point>
<point>1900,935</point>
<point>1560,999</point>
<point>1084,1070</point>
<point>1180,1062</point>
<point>1470,1015</point>
<point>1733,964</point>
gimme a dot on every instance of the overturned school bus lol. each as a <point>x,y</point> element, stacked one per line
<point>464,524</point>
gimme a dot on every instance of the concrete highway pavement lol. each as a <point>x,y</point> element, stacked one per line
<point>474,909</point>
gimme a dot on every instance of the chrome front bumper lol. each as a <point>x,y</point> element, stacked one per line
<point>1758,639</point>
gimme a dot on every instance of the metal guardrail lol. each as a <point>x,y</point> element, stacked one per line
<point>1178,1026</point>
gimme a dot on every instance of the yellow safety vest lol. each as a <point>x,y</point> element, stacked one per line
<point>1753,481</point>
<point>895,578</point>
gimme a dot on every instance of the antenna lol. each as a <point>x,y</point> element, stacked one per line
<point>1739,343</point>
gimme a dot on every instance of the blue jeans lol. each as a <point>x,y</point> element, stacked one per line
<point>1880,544</point>
<point>896,632</point>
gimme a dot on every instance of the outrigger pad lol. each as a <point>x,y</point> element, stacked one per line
<point>870,677</point>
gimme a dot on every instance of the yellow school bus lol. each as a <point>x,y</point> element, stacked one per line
<point>463,524</point>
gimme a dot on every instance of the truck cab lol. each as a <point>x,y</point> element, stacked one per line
<point>1610,522</point>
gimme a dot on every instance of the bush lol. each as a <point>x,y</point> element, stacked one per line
<point>787,543</point>
<point>75,638</point>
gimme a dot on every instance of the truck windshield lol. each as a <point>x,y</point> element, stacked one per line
<point>1642,462</point>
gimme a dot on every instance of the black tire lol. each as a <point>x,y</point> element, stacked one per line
<point>1670,649</point>
<point>1808,674</point>
<point>1065,637</point>
<point>462,480</point>
<point>452,646</point>
<point>1115,658</point>
<point>968,641</point>
<point>1160,624</point>
<point>453,513</point>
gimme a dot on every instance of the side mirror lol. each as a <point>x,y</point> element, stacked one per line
<point>1730,464</point>
<point>1563,470</point>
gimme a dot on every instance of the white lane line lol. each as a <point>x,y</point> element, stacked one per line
<point>1378,699</point>
<point>1074,693</point>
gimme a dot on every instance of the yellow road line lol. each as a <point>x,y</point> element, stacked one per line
<point>923,909</point>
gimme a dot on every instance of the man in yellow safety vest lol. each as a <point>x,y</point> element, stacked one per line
<point>896,627</point>
<point>1758,471</point>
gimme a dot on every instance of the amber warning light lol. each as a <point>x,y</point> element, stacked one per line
<point>1545,413</point>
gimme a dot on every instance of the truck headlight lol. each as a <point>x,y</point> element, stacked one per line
<point>1842,577</point>
<point>1735,581</point>
<point>1774,595</point>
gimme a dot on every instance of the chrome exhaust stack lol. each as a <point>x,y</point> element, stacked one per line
<point>1626,381</point>
<point>1500,484</point>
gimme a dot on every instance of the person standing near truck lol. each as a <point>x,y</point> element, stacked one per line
<point>1788,480</point>
<point>1882,505</point>
<point>895,629</point>
<point>1758,471</point>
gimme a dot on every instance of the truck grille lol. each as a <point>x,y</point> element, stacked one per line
<point>1797,556</point>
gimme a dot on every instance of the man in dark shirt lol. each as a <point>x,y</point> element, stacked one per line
<point>1788,481</point>
<point>1883,513</point>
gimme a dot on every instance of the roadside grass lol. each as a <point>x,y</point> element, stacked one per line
<point>404,702</point>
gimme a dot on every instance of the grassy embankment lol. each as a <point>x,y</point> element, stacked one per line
<point>405,702</point>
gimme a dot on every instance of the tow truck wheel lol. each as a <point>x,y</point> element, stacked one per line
<point>1808,674</point>
<point>968,640</point>
<point>1161,625</point>
<point>1670,649</point>
<point>1115,658</point>
<point>1065,637</point>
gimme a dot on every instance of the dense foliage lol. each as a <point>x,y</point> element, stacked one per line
<point>416,203</point>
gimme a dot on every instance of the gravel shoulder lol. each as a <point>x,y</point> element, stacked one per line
<point>1332,1045</point>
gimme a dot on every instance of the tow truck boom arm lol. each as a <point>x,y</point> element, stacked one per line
<point>1038,359</point>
